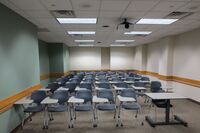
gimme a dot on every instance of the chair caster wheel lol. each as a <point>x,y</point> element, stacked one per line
<point>121,125</point>
<point>142,123</point>
<point>186,125</point>
<point>95,125</point>
<point>117,125</point>
<point>136,116</point>
<point>72,126</point>
<point>69,126</point>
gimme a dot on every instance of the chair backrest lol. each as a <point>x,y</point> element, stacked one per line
<point>139,84</point>
<point>131,74</point>
<point>104,85</point>
<point>71,86</point>
<point>86,85</point>
<point>53,86</point>
<point>156,86</point>
<point>61,95</point>
<point>145,79</point>
<point>129,79</point>
<point>116,79</point>
<point>38,96</point>
<point>128,93</point>
<point>84,94</point>
<point>122,85</point>
<point>106,94</point>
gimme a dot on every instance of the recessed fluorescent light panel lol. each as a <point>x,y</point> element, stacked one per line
<point>124,40</point>
<point>77,20</point>
<point>117,45</point>
<point>156,21</point>
<point>86,45</point>
<point>138,33</point>
<point>81,32</point>
<point>84,40</point>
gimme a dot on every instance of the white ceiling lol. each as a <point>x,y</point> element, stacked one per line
<point>108,12</point>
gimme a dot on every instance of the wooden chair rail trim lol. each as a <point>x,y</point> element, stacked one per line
<point>8,102</point>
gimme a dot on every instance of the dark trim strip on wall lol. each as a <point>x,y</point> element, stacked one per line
<point>8,102</point>
<point>53,75</point>
<point>44,76</point>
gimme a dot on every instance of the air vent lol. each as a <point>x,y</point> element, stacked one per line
<point>63,13</point>
<point>43,30</point>
<point>178,15</point>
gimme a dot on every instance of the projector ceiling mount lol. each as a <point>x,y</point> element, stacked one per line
<point>125,23</point>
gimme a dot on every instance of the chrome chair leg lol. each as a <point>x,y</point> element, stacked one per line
<point>119,121</point>
<point>155,113</point>
<point>141,115</point>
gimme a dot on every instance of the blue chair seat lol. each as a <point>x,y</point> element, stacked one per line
<point>141,93</point>
<point>34,109</point>
<point>106,107</point>
<point>57,108</point>
<point>83,107</point>
<point>131,106</point>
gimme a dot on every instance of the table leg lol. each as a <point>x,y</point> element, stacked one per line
<point>177,121</point>
<point>45,118</point>
<point>167,111</point>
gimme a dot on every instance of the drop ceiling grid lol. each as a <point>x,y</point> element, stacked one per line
<point>108,12</point>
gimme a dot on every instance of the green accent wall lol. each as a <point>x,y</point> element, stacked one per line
<point>19,57</point>
<point>54,58</point>
<point>44,61</point>
<point>58,58</point>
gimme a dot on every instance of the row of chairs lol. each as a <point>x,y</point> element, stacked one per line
<point>87,105</point>
<point>87,80</point>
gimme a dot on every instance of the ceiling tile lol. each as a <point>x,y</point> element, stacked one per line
<point>28,4</point>
<point>133,14</point>
<point>57,4</point>
<point>47,21</point>
<point>39,13</point>
<point>195,16</point>
<point>145,5</point>
<point>168,6</point>
<point>110,5</point>
<point>86,14</point>
<point>86,5</point>
<point>110,14</point>
<point>154,14</point>
<point>191,7</point>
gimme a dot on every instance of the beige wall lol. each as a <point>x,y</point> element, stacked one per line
<point>186,62</point>
<point>121,58</point>
<point>187,55</point>
<point>85,58</point>
<point>175,55</point>
<point>96,58</point>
